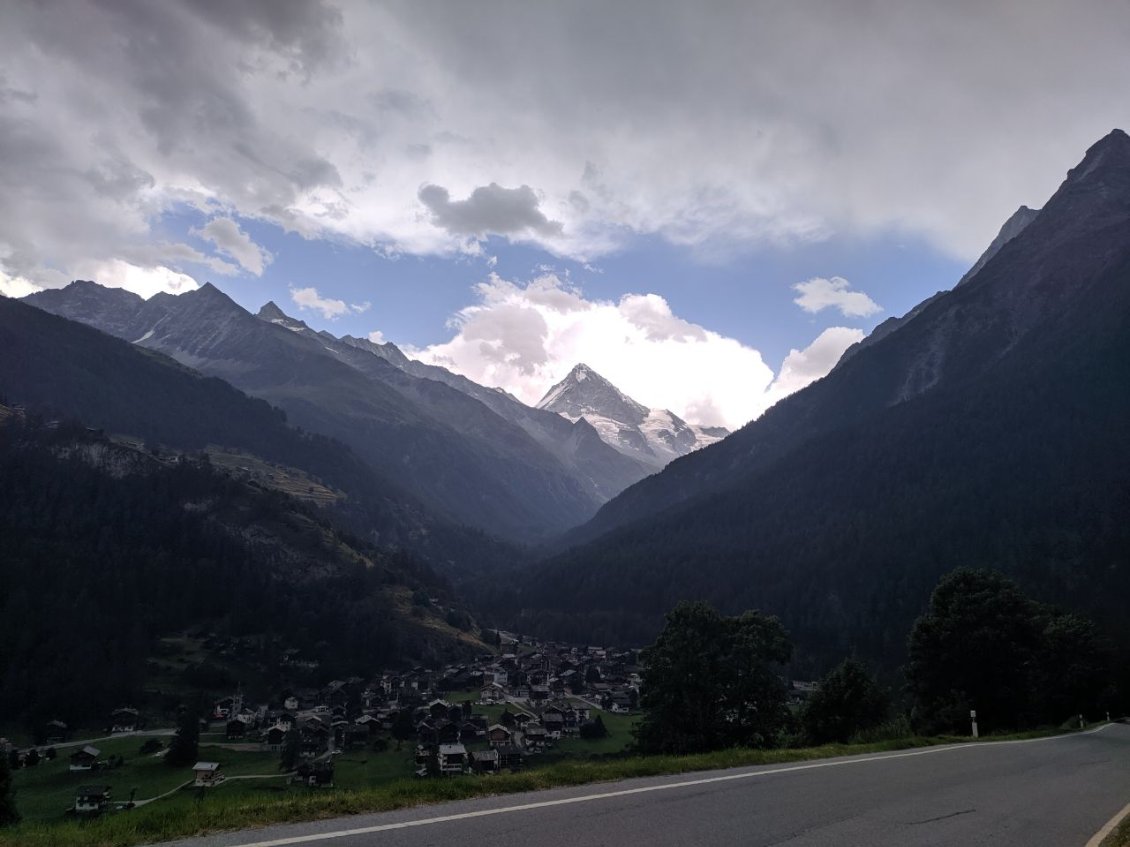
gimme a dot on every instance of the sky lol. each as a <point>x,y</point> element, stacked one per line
<point>706,203</point>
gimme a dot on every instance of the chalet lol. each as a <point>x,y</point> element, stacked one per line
<point>291,703</point>
<point>493,693</point>
<point>207,774</point>
<point>452,758</point>
<point>371,723</point>
<point>484,761</point>
<point>274,737</point>
<point>124,719</point>
<point>510,758</point>
<point>235,730</point>
<point>554,724</point>
<point>91,799</point>
<point>539,693</point>
<point>499,736</point>
<point>621,702</point>
<point>470,731</point>
<point>337,729</point>
<point>317,774</point>
<point>439,709</point>
<point>535,738</point>
<point>85,759</point>
<point>499,676</point>
<point>355,735</point>
<point>448,732</point>
<point>313,723</point>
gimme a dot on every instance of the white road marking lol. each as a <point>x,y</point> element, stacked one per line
<point>1098,837</point>
<point>668,786</point>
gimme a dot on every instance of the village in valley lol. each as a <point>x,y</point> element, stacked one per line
<point>530,703</point>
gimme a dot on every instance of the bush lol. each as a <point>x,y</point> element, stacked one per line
<point>846,702</point>
<point>151,746</point>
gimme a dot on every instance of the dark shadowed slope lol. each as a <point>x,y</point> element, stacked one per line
<point>990,430</point>
<point>66,369</point>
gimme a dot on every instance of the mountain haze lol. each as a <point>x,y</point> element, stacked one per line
<point>470,455</point>
<point>62,368</point>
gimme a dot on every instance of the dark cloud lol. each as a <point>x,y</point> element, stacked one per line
<point>306,31</point>
<point>489,209</point>
<point>754,123</point>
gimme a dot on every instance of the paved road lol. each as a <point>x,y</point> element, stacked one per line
<point>1055,792</point>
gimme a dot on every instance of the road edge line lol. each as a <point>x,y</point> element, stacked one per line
<point>307,838</point>
<point>1108,827</point>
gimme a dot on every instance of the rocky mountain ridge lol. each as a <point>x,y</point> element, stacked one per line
<point>653,436</point>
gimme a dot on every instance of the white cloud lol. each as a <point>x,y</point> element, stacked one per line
<point>716,131</point>
<point>818,294</point>
<point>330,308</point>
<point>232,241</point>
<point>16,286</point>
<point>143,280</point>
<point>377,337</point>
<point>802,367</point>
<point>524,338</point>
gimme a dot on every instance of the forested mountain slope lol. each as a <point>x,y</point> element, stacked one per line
<point>107,548</point>
<point>62,368</point>
<point>990,430</point>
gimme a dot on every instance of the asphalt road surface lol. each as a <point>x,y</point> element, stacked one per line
<point>1056,792</point>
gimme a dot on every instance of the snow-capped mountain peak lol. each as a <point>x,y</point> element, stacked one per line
<point>655,436</point>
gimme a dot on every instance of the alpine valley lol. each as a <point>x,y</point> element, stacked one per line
<point>985,428</point>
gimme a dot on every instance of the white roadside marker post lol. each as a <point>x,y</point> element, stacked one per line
<point>973,719</point>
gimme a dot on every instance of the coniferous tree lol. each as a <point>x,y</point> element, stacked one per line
<point>8,813</point>
<point>291,750</point>
<point>594,729</point>
<point>185,746</point>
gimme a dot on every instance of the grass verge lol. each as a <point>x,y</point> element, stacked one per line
<point>243,805</point>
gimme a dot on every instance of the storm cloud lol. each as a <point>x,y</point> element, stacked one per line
<point>575,126</point>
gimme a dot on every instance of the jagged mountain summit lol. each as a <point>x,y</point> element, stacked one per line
<point>653,436</point>
<point>1015,225</point>
<point>988,429</point>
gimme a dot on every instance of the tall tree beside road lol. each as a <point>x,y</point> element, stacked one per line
<point>711,682</point>
<point>983,644</point>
